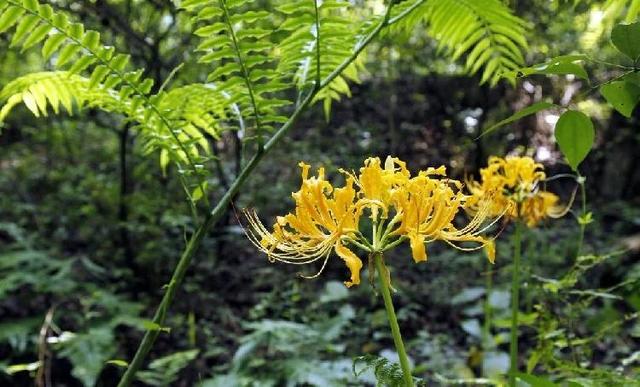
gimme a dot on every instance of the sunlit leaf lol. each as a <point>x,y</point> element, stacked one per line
<point>626,38</point>
<point>622,95</point>
<point>575,135</point>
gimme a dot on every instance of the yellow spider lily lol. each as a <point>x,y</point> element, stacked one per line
<point>419,209</point>
<point>514,186</point>
<point>322,218</point>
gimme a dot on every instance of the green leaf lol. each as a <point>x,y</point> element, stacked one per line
<point>626,38</point>
<point>66,54</point>
<point>31,5</point>
<point>52,43</point>
<point>561,65</point>
<point>15,368</point>
<point>622,95</point>
<point>118,362</point>
<point>25,26</point>
<point>10,17</point>
<point>575,134</point>
<point>536,107</point>
<point>535,381</point>
<point>91,40</point>
<point>36,36</point>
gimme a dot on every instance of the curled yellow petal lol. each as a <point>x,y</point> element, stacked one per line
<point>352,261</point>
<point>418,249</point>
<point>490,249</point>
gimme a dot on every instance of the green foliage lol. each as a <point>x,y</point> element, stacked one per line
<point>319,36</point>
<point>386,373</point>
<point>262,59</point>
<point>575,134</point>
<point>622,95</point>
<point>44,90</point>
<point>164,371</point>
<point>293,352</point>
<point>534,380</point>
<point>236,42</point>
<point>81,51</point>
<point>626,37</point>
<point>560,65</point>
<point>485,31</point>
<point>574,299</point>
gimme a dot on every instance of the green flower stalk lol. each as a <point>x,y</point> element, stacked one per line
<point>513,184</point>
<point>418,210</point>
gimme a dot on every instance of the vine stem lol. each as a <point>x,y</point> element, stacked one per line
<point>582,222</point>
<point>393,321</point>
<point>218,211</point>
<point>515,299</point>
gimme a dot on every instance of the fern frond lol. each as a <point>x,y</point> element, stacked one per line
<point>236,42</point>
<point>386,372</point>
<point>193,111</point>
<point>72,48</point>
<point>41,91</point>
<point>319,36</point>
<point>485,31</point>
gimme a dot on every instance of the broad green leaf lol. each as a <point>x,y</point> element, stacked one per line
<point>536,107</point>
<point>561,65</point>
<point>633,78</point>
<point>535,381</point>
<point>622,95</point>
<point>626,38</point>
<point>575,134</point>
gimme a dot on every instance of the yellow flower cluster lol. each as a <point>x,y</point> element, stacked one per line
<point>513,183</point>
<point>420,209</point>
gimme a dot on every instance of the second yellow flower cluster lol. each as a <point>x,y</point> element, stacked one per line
<point>514,184</point>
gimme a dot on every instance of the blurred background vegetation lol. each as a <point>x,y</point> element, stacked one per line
<point>91,228</point>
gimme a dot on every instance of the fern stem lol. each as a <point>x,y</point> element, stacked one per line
<point>393,320</point>
<point>407,11</point>
<point>515,295</point>
<point>245,73</point>
<point>318,73</point>
<point>219,210</point>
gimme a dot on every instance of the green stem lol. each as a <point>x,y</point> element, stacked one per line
<point>393,321</point>
<point>486,329</point>
<point>220,208</point>
<point>515,295</point>
<point>582,222</point>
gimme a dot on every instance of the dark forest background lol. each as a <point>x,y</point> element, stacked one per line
<point>91,228</point>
